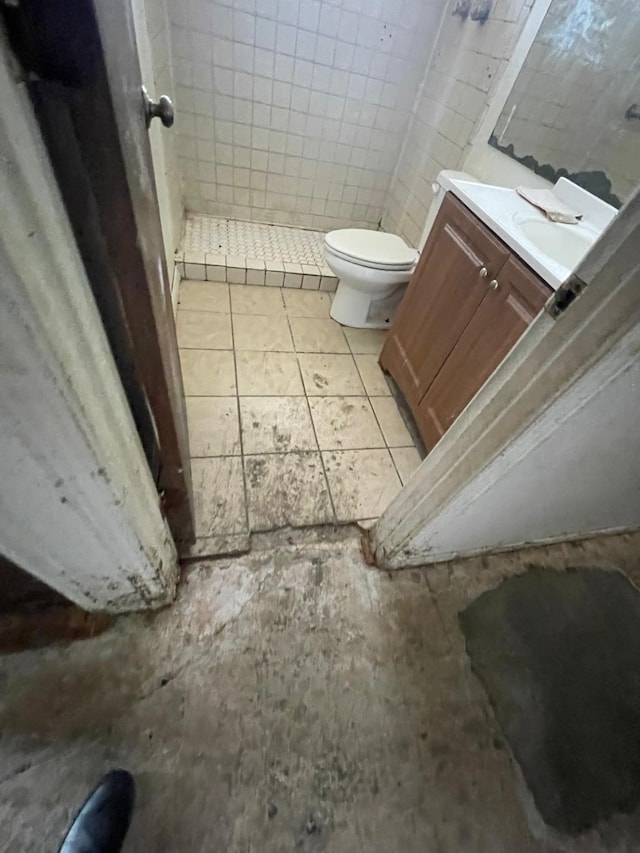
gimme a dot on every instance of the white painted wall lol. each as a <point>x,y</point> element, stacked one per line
<point>78,507</point>
<point>574,471</point>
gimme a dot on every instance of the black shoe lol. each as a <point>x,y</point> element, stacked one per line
<point>102,822</point>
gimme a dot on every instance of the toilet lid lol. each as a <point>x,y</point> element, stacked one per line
<point>373,247</point>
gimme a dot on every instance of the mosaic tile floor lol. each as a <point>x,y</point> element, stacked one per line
<point>228,250</point>
<point>253,240</point>
<point>291,420</point>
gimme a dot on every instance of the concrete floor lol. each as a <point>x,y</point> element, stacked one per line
<point>291,700</point>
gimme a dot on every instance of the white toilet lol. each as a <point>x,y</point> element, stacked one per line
<point>372,268</point>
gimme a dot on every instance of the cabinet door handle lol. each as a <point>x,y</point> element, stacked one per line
<point>483,272</point>
<point>494,284</point>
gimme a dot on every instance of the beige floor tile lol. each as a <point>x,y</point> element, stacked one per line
<point>287,489</point>
<point>268,374</point>
<point>218,493</point>
<point>365,340</point>
<point>248,299</point>
<point>345,423</point>
<point>276,425</point>
<point>372,375</point>
<point>407,459</point>
<point>208,373</point>
<point>215,546</point>
<point>214,429</point>
<point>329,375</point>
<point>261,332</point>
<point>204,296</point>
<point>391,422</point>
<point>315,335</point>
<point>204,330</point>
<point>362,482</point>
<point>302,303</point>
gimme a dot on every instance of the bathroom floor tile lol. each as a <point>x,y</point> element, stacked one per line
<point>262,333</point>
<point>208,373</point>
<point>214,428</point>
<point>287,489</point>
<point>345,423</point>
<point>218,493</point>
<point>204,296</point>
<point>329,375</point>
<point>316,335</point>
<point>276,425</point>
<point>268,374</point>
<point>213,546</point>
<point>248,299</point>
<point>372,375</point>
<point>391,422</point>
<point>365,340</point>
<point>203,330</point>
<point>362,482</point>
<point>304,303</point>
<point>407,459</point>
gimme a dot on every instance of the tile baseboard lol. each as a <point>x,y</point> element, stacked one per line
<point>196,267</point>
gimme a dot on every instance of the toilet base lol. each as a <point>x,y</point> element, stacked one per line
<point>352,307</point>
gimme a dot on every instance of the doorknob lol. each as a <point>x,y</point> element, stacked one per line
<point>162,108</point>
<point>494,284</point>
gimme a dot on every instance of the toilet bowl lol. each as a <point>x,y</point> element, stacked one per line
<point>372,268</point>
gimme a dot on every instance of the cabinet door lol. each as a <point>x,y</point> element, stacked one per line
<point>460,258</point>
<point>506,310</point>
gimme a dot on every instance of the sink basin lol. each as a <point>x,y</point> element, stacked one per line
<point>552,249</point>
<point>565,244</point>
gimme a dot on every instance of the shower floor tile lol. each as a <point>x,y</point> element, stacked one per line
<point>237,239</point>
<point>229,250</point>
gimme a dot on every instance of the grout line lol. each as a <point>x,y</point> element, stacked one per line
<point>373,411</point>
<point>237,395</point>
<point>375,414</point>
<point>293,452</point>
<point>315,435</point>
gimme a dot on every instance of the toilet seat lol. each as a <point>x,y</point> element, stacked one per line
<point>373,249</point>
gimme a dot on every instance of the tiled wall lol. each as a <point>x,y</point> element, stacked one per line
<point>294,111</point>
<point>468,60</point>
<point>151,19</point>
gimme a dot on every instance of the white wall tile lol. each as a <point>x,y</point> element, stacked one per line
<point>457,86</point>
<point>275,97</point>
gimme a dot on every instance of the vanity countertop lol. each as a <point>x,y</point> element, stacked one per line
<point>552,249</point>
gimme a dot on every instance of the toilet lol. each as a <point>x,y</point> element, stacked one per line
<point>372,268</point>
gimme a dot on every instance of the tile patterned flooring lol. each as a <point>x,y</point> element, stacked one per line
<point>228,250</point>
<point>252,240</point>
<point>291,419</point>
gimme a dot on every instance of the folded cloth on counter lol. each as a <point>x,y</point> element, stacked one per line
<point>549,203</point>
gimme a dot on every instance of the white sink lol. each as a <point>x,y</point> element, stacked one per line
<point>565,244</point>
<point>552,249</point>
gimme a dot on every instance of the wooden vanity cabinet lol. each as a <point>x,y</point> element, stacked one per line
<point>449,283</point>
<point>468,302</point>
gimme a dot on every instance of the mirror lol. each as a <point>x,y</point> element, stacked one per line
<point>574,110</point>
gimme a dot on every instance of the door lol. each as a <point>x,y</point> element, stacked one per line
<point>81,60</point>
<point>511,302</point>
<point>460,257</point>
